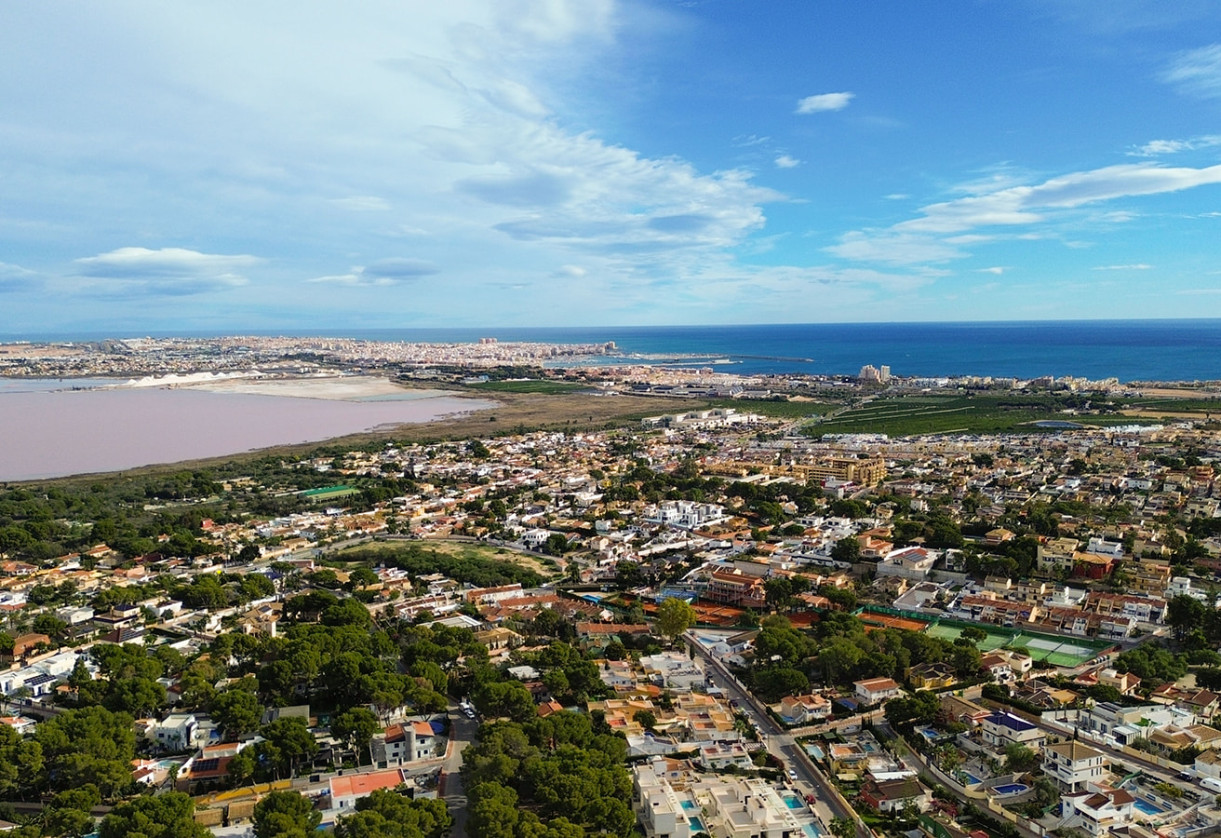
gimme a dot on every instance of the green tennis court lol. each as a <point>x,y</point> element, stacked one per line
<point>1056,651</point>
<point>994,640</point>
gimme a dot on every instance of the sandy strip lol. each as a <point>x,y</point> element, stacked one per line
<point>333,388</point>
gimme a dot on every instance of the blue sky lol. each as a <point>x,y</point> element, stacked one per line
<point>233,165</point>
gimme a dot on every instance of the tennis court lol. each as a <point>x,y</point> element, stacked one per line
<point>1040,647</point>
<point>1055,651</point>
<point>892,621</point>
<point>995,639</point>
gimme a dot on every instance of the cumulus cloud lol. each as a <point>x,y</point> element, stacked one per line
<point>784,161</point>
<point>824,102</point>
<point>169,271</point>
<point>1197,72</point>
<point>381,274</point>
<point>933,235</point>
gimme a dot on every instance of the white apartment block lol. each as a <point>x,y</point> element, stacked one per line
<point>1072,765</point>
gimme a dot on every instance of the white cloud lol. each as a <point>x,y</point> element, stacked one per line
<point>748,140</point>
<point>570,272</point>
<point>14,278</point>
<point>362,203</point>
<point>993,270</point>
<point>1197,72</point>
<point>1137,267</point>
<point>784,161</point>
<point>169,271</point>
<point>1155,148</point>
<point>381,274</point>
<point>824,102</point>
<point>927,237</point>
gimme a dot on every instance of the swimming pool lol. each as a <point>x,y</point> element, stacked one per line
<point>689,805</point>
<point>929,734</point>
<point>793,802</point>
<point>697,825</point>
<point>812,830</point>
<point>1147,807</point>
<point>1010,788</point>
<point>968,778</point>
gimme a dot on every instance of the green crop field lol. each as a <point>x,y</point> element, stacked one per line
<point>530,386</point>
<point>954,413</point>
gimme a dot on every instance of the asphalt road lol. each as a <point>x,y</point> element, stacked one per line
<point>829,804</point>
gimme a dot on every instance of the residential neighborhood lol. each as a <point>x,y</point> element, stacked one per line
<point>767,632</point>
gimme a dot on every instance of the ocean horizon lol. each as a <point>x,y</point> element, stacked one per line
<point>1130,350</point>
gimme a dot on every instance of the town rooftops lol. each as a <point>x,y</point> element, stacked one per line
<point>360,785</point>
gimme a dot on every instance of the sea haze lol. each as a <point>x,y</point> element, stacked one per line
<point>53,432</point>
<point>1130,350</point>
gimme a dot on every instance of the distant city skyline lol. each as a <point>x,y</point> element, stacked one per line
<point>234,166</point>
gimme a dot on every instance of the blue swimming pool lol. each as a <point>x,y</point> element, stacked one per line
<point>968,778</point>
<point>793,802</point>
<point>1147,807</point>
<point>697,825</point>
<point>812,830</point>
<point>1010,788</point>
<point>689,805</point>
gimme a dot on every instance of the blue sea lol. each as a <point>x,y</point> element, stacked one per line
<point>1130,350</point>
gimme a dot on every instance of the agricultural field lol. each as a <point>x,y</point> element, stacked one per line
<point>532,385</point>
<point>955,413</point>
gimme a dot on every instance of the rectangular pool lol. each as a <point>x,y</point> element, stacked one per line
<point>689,805</point>
<point>793,802</point>
<point>1147,807</point>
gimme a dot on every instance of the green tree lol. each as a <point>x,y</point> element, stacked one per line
<point>385,814</point>
<point>241,767</point>
<point>288,743</point>
<point>356,727</point>
<point>1019,759</point>
<point>169,815</point>
<point>1184,613</point>
<point>975,634</point>
<point>236,711</point>
<point>20,762</point>
<point>284,814</point>
<point>674,617</point>
<point>847,549</point>
<point>90,745</point>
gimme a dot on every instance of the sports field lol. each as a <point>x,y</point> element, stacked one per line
<point>1053,650</point>
<point>994,640</point>
<point>1040,647</point>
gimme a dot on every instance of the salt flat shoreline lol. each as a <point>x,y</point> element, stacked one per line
<point>331,388</point>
